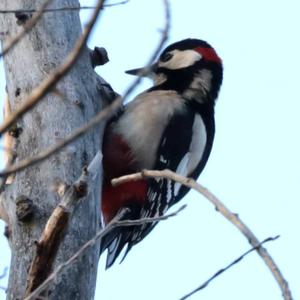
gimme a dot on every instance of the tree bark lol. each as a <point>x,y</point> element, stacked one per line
<point>77,99</point>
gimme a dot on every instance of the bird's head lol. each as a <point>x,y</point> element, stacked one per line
<point>191,67</point>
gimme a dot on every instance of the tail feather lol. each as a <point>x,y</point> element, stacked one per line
<point>114,250</point>
<point>117,238</point>
<point>126,237</point>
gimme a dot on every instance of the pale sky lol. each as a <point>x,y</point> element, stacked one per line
<point>254,165</point>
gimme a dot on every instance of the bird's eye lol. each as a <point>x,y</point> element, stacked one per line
<point>166,57</point>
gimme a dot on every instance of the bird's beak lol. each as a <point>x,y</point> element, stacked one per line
<point>143,72</point>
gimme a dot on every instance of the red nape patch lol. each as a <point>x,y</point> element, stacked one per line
<point>114,198</point>
<point>209,54</point>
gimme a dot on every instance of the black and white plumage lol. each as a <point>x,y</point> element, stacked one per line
<point>169,126</point>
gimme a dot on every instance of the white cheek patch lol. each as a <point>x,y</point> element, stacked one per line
<point>181,59</point>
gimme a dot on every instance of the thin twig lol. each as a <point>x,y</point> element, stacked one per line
<point>101,116</point>
<point>113,224</point>
<point>221,208</point>
<point>60,9</point>
<point>26,28</point>
<point>218,273</point>
<point>40,91</point>
<point>4,273</point>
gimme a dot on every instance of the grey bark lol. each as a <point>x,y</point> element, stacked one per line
<point>43,49</point>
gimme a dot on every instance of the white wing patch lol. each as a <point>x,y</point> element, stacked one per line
<point>192,158</point>
<point>198,144</point>
<point>182,169</point>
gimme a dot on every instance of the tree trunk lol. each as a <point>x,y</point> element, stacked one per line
<point>75,101</point>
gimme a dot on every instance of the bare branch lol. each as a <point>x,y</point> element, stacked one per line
<point>26,28</point>
<point>55,228</point>
<point>101,116</point>
<point>221,208</point>
<point>113,224</point>
<point>218,273</point>
<point>60,9</point>
<point>48,83</point>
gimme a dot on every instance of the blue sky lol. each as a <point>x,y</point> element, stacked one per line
<point>254,166</point>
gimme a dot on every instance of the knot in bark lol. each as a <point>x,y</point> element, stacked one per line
<point>24,208</point>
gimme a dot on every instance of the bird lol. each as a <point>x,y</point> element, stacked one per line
<point>169,126</point>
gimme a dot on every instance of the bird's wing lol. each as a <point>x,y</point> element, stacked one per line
<point>184,148</point>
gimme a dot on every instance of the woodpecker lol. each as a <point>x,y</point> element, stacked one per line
<point>169,126</point>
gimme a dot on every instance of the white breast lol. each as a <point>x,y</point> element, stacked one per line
<point>144,121</point>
